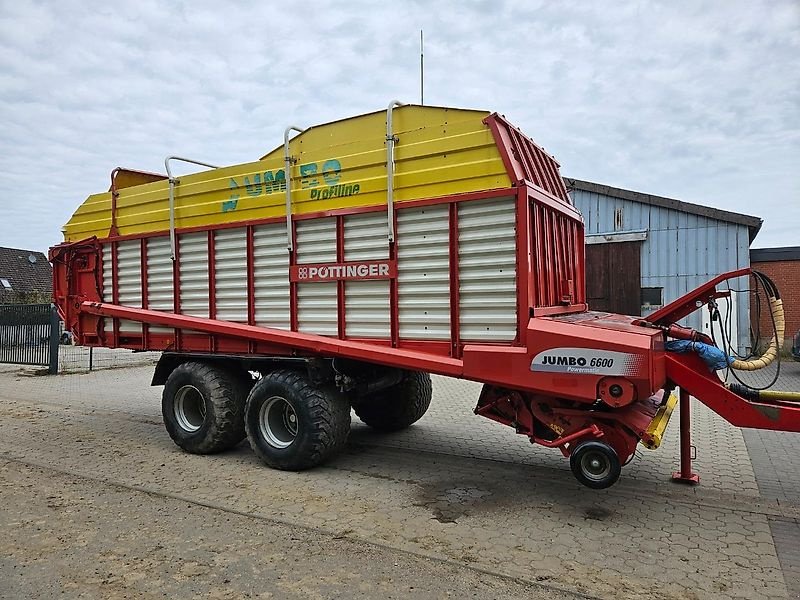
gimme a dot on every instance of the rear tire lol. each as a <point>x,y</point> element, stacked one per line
<point>595,464</point>
<point>203,408</point>
<point>292,424</point>
<point>399,406</point>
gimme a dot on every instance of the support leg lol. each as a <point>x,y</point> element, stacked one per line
<point>685,475</point>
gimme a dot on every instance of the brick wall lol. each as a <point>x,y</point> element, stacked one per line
<point>786,275</point>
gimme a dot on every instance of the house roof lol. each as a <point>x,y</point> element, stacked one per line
<point>774,254</point>
<point>753,224</point>
<point>25,271</point>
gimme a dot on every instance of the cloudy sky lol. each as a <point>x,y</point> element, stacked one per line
<point>698,101</point>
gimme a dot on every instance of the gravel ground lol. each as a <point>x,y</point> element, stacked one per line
<point>65,537</point>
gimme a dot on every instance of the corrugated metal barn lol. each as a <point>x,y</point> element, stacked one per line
<point>643,251</point>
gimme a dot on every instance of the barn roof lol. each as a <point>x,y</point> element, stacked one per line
<point>753,224</point>
<point>774,254</point>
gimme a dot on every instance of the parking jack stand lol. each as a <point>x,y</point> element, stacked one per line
<point>685,475</point>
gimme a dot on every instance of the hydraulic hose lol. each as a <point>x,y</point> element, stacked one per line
<point>778,325</point>
<point>771,353</point>
<point>763,395</point>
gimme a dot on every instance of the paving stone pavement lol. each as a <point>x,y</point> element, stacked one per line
<point>774,456</point>
<point>454,486</point>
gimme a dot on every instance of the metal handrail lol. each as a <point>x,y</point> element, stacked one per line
<point>172,183</point>
<point>391,140</point>
<point>287,171</point>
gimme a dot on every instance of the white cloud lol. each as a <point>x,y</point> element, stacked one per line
<point>697,101</point>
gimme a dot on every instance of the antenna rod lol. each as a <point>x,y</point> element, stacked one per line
<point>421,72</point>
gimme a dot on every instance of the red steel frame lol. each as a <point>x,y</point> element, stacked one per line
<point>340,305</point>
<point>686,475</point>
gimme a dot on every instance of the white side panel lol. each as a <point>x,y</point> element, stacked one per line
<point>129,279</point>
<point>316,302</point>
<point>271,266</point>
<point>108,283</point>
<point>108,277</point>
<point>365,237</point>
<point>316,241</point>
<point>423,273</point>
<point>230,262</point>
<point>317,308</point>
<point>193,254</point>
<point>367,310</point>
<point>160,286</point>
<point>487,270</point>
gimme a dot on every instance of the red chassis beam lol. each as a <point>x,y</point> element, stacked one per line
<point>687,304</point>
<point>316,344</point>
<point>691,374</point>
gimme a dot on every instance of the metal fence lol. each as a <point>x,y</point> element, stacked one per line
<point>29,335</point>
<point>82,359</point>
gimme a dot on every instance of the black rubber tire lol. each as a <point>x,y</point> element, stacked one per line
<point>608,469</point>
<point>322,420</point>
<point>399,406</point>
<point>222,394</point>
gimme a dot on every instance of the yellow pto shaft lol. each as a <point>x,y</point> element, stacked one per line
<point>655,431</point>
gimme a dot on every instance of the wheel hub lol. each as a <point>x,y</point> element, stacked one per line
<point>189,408</point>
<point>595,466</point>
<point>277,421</point>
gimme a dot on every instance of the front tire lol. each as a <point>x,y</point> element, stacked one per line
<point>595,464</point>
<point>399,406</point>
<point>203,408</point>
<point>292,424</point>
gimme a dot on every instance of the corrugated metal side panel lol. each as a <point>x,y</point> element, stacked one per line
<point>682,250</point>
<point>317,308</point>
<point>108,282</point>
<point>194,274</point>
<point>558,247</point>
<point>316,241</point>
<point>108,277</point>
<point>271,276</point>
<point>230,280</point>
<point>365,237</point>
<point>160,286</point>
<point>367,309</point>
<point>129,279</point>
<point>743,283</point>
<point>487,270</point>
<point>423,273</point>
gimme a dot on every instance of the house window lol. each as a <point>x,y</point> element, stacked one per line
<point>5,283</point>
<point>652,299</point>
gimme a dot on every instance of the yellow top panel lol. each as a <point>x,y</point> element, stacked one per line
<point>440,152</point>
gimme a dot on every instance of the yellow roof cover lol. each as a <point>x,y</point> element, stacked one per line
<point>440,152</point>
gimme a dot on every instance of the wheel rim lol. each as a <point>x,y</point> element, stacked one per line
<point>190,408</point>
<point>277,421</point>
<point>595,465</point>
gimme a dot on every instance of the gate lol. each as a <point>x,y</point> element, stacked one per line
<point>29,335</point>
